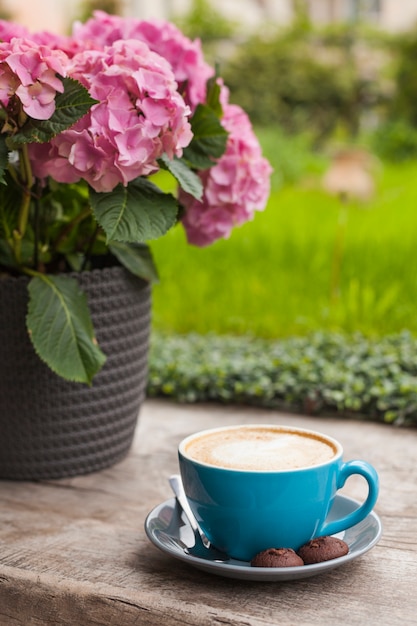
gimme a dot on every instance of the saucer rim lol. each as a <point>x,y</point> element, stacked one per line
<point>243,570</point>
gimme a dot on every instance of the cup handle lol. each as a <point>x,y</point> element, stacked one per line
<point>369,473</point>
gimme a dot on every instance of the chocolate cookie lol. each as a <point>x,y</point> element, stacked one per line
<point>322,549</point>
<point>276,557</point>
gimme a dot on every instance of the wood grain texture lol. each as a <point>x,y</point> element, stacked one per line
<point>74,552</point>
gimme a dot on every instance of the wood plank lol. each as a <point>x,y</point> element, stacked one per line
<point>75,552</point>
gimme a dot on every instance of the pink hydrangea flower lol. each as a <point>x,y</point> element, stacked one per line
<point>10,30</point>
<point>234,188</point>
<point>139,116</point>
<point>30,72</point>
<point>67,44</point>
<point>184,55</point>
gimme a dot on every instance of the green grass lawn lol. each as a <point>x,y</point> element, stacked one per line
<point>273,277</point>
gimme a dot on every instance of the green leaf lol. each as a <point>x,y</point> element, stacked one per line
<point>70,106</point>
<point>137,258</point>
<point>209,140</point>
<point>136,213</point>
<point>61,330</point>
<point>4,158</point>
<point>213,96</point>
<point>187,179</point>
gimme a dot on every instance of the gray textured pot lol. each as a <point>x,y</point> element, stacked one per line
<point>51,428</point>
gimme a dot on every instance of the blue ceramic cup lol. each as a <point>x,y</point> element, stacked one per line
<point>265,504</point>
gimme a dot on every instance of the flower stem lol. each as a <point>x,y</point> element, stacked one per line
<point>23,218</point>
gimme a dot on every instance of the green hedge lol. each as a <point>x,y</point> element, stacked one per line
<point>323,374</point>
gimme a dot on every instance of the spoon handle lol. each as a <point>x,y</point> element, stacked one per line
<point>178,489</point>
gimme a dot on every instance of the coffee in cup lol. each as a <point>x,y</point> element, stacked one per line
<point>260,448</point>
<point>253,487</point>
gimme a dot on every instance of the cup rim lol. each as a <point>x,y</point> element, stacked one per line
<point>292,429</point>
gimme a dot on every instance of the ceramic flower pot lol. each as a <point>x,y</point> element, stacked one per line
<point>51,428</point>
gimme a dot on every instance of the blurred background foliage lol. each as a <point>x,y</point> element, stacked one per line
<point>347,80</point>
<point>205,22</point>
<point>86,8</point>
<point>4,12</point>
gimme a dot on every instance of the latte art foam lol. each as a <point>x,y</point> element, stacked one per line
<point>260,449</point>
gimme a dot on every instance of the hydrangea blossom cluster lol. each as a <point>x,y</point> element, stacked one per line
<point>185,56</point>
<point>139,116</point>
<point>30,74</point>
<point>148,79</point>
<point>239,183</point>
<point>234,188</point>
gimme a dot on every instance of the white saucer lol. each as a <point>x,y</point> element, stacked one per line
<point>168,529</point>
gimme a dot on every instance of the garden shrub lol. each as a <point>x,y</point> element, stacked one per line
<point>301,80</point>
<point>404,101</point>
<point>395,141</point>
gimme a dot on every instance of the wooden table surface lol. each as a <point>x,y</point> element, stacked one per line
<point>74,552</point>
